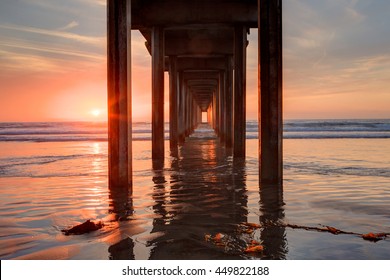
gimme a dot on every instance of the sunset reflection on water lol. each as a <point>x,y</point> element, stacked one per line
<point>198,191</point>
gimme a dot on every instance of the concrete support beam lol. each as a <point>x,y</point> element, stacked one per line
<point>199,118</point>
<point>181,120</point>
<point>193,115</point>
<point>185,110</point>
<point>240,42</point>
<point>214,102</point>
<point>173,103</point>
<point>201,63</point>
<point>188,111</point>
<point>188,114</point>
<point>199,41</point>
<point>209,115</point>
<point>119,93</point>
<point>270,92</point>
<point>222,103</point>
<point>201,74</point>
<point>157,93</point>
<point>229,104</point>
<point>217,110</point>
<point>171,13</point>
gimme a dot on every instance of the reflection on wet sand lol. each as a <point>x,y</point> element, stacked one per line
<point>201,192</point>
<point>202,196</point>
<point>121,208</point>
<point>123,250</point>
<point>272,213</point>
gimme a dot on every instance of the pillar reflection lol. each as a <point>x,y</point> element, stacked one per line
<point>121,207</point>
<point>272,213</point>
<point>204,196</point>
<point>159,194</point>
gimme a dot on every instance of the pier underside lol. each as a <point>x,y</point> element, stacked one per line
<point>202,45</point>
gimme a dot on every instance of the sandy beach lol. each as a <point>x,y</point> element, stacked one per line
<point>176,210</point>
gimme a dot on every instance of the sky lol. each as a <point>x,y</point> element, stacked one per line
<point>336,61</point>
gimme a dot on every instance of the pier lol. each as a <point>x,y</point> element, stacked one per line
<point>202,45</point>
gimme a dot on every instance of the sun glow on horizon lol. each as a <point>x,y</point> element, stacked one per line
<point>96,112</point>
<point>326,74</point>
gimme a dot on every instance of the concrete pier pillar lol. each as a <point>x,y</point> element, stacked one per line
<point>173,103</point>
<point>189,115</point>
<point>209,116</point>
<point>229,103</point>
<point>222,133</point>
<point>181,118</point>
<point>119,93</point>
<point>199,118</point>
<point>217,111</point>
<point>187,112</point>
<point>270,91</point>
<point>239,115</point>
<point>193,115</point>
<point>157,93</point>
<point>214,111</point>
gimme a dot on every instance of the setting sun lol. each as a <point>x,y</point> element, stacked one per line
<point>96,112</point>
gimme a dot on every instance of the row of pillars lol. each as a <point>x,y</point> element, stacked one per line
<point>227,105</point>
<point>227,99</point>
<point>227,110</point>
<point>184,111</point>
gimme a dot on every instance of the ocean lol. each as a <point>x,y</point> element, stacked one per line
<point>199,204</point>
<point>97,131</point>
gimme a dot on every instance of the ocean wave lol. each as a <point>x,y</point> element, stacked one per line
<point>56,138</point>
<point>149,138</point>
<point>329,135</point>
<point>40,160</point>
<point>325,169</point>
<point>85,131</point>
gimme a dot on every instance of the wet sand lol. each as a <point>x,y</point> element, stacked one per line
<point>199,191</point>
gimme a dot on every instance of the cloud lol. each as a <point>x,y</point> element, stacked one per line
<point>53,50</point>
<point>65,7</point>
<point>35,50</point>
<point>61,7</point>
<point>97,2</point>
<point>70,25</point>
<point>56,33</point>
<point>22,63</point>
